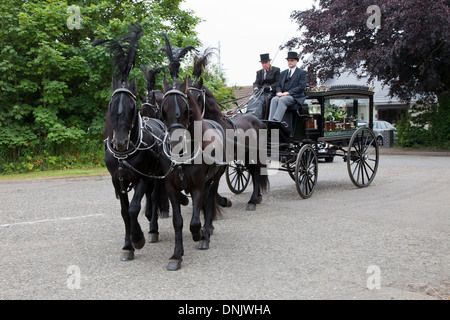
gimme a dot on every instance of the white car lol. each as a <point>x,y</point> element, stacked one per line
<point>380,127</point>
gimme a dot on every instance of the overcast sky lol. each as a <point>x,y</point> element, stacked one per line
<point>246,29</point>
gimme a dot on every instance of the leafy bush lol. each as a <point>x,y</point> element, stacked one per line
<point>426,125</point>
<point>55,87</point>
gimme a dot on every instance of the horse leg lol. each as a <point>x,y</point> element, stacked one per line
<point>127,250</point>
<point>260,185</point>
<point>254,199</point>
<point>137,236</point>
<point>210,212</point>
<point>196,225</point>
<point>151,212</point>
<point>223,202</point>
<point>177,218</point>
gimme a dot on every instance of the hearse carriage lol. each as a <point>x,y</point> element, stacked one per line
<point>325,126</point>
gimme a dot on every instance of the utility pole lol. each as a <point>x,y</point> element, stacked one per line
<point>220,60</point>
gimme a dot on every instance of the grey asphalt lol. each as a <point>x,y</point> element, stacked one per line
<point>61,239</point>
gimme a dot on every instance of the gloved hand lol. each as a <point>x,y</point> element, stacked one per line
<point>267,89</point>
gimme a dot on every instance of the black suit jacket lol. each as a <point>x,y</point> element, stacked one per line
<point>272,77</point>
<point>296,86</point>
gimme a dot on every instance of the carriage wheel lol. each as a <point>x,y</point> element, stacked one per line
<point>306,171</point>
<point>238,177</point>
<point>363,157</point>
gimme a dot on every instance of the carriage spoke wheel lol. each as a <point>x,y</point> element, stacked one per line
<point>362,157</point>
<point>238,177</point>
<point>306,171</point>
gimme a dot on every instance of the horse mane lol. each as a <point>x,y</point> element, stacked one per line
<point>150,76</point>
<point>124,51</point>
<point>175,56</point>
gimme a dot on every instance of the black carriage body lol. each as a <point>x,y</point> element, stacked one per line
<point>334,121</point>
<point>327,120</point>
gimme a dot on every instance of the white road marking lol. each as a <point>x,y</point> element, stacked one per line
<point>49,220</point>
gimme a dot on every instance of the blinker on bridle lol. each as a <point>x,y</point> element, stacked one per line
<point>177,106</point>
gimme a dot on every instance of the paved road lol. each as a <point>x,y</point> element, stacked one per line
<point>61,239</point>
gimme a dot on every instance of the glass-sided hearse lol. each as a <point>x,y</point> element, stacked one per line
<point>325,126</point>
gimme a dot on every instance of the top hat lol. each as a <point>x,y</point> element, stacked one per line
<point>265,57</point>
<point>292,55</point>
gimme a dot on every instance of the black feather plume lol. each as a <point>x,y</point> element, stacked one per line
<point>175,56</point>
<point>150,76</point>
<point>124,51</point>
<point>200,62</point>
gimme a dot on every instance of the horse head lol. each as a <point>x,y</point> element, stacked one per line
<point>123,115</point>
<point>198,91</point>
<point>179,108</point>
<point>151,104</point>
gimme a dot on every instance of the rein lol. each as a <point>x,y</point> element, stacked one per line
<point>203,93</point>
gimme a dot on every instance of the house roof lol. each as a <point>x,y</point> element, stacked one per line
<point>243,92</point>
<point>381,95</point>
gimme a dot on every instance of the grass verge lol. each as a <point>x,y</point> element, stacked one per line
<point>55,174</point>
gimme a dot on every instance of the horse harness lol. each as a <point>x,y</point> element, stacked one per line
<point>140,145</point>
<point>179,164</point>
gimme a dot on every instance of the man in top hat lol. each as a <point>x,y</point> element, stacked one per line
<point>264,87</point>
<point>290,89</point>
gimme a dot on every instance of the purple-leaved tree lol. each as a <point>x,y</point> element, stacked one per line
<point>403,43</point>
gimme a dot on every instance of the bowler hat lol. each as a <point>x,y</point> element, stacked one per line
<point>264,57</point>
<point>292,55</point>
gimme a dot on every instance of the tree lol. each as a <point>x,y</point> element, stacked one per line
<point>54,86</point>
<point>403,43</point>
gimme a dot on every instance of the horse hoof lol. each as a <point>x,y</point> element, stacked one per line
<point>184,201</point>
<point>203,245</point>
<point>196,236</point>
<point>127,255</point>
<point>251,207</point>
<point>164,214</point>
<point>196,232</point>
<point>174,265</point>
<point>229,203</point>
<point>139,245</point>
<point>153,238</point>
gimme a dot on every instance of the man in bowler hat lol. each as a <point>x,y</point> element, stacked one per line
<point>290,89</point>
<point>264,87</point>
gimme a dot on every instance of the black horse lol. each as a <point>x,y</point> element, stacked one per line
<point>131,156</point>
<point>130,146</point>
<point>151,104</point>
<point>239,124</point>
<point>198,173</point>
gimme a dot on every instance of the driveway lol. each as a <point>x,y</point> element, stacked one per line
<point>61,239</point>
